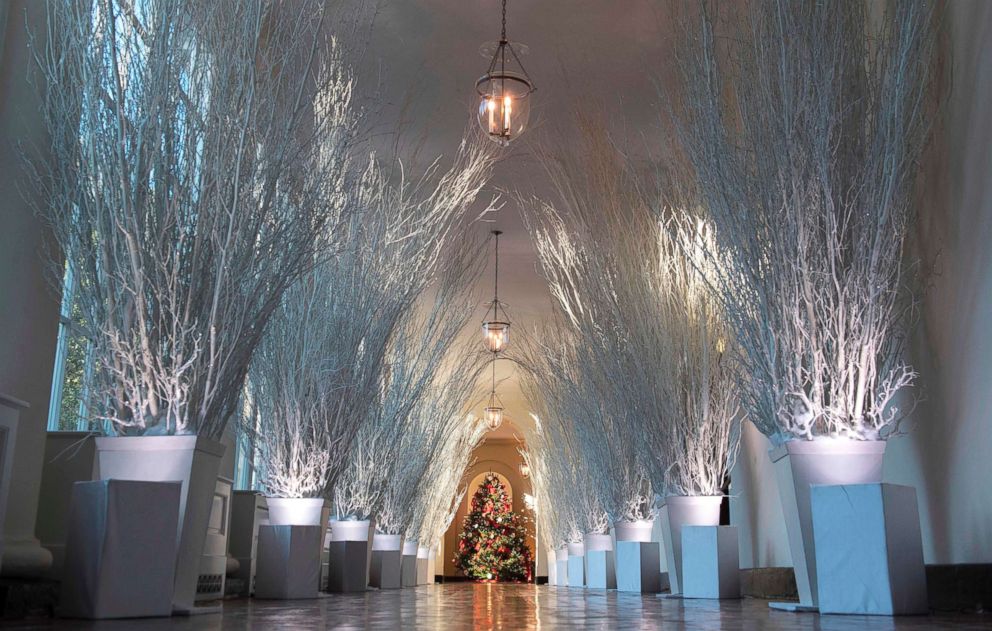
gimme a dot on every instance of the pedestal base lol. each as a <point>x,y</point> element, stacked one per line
<point>288,564</point>
<point>792,607</point>
<point>576,571</point>
<point>601,572</point>
<point>387,569</point>
<point>638,564</point>
<point>347,566</point>
<point>120,554</point>
<point>409,570</point>
<point>869,551</point>
<point>710,562</point>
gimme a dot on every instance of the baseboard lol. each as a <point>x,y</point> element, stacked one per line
<point>20,598</point>
<point>770,583</point>
<point>961,587</point>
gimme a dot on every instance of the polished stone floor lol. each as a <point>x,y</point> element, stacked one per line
<point>477,606</point>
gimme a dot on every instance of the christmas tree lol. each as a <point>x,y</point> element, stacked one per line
<point>492,545</point>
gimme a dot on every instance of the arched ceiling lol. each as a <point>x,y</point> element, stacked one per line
<point>425,55</point>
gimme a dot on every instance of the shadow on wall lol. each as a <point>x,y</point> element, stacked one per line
<point>947,452</point>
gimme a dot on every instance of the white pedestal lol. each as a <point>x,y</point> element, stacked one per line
<point>576,570</point>
<point>638,566</point>
<point>192,460</point>
<point>288,563</point>
<point>213,562</point>
<point>432,566</point>
<point>601,570</point>
<point>387,569</point>
<point>408,572</point>
<point>249,512</point>
<point>678,512</point>
<point>710,562</point>
<point>800,464</point>
<point>422,560</point>
<point>561,567</point>
<point>869,551</point>
<point>349,556</point>
<point>552,568</point>
<point>120,557</point>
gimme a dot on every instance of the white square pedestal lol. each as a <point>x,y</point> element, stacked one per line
<point>387,569</point>
<point>409,570</point>
<point>561,573</point>
<point>638,566</point>
<point>710,562</point>
<point>120,552</point>
<point>552,568</point>
<point>347,563</point>
<point>288,564</point>
<point>576,570</point>
<point>869,551</point>
<point>422,577</point>
<point>601,572</point>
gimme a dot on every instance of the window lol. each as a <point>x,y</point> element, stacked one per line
<point>73,366</point>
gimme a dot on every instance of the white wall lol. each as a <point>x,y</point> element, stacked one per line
<point>948,454</point>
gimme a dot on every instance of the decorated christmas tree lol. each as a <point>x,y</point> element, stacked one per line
<point>493,543</point>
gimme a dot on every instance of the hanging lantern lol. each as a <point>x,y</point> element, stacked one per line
<point>493,415</point>
<point>504,106</point>
<point>496,329</point>
<point>524,470</point>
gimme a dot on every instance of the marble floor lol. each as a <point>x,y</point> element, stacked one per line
<point>478,606</point>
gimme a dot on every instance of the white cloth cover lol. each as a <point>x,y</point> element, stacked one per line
<point>869,551</point>
<point>576,565</point>
<point>638,566</point>
<point>288,564</point>
<point>348,563</point>
<point>710,562</point>
<point>387,569</point>
<point>408,574</point>
<point>120,559</point>
<point>601,570</point>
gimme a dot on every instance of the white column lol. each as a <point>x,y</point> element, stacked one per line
<point>29,317</point>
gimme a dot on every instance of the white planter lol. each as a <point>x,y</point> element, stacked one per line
<point>387,542</point>
<point>432,566</point>
<point>120,554</point>
<point>595,541</point>
<point>633,530</point>
<point>386,571</point>
<point>296,511</point>
<point>680,511</point>
<point>711,562</point>
<point>869,551</point>
<point>576,565</point>
<point>287,566</point>
<point>800,464</point>
<point>192,460</point>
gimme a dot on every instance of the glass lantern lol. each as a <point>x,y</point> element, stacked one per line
<point>524,470</point>
<point>493,417</point>
<point>496,335</point>
<point>504,106</point>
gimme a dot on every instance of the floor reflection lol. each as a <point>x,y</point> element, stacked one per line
<point>496,606</point>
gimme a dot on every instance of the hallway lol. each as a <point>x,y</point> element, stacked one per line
<point>503,606</point>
